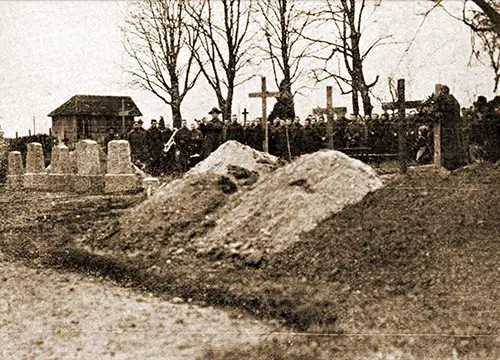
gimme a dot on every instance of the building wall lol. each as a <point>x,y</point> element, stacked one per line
<point>78,127</point>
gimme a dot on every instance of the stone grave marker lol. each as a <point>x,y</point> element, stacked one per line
<point>15,170</point>
<point>89,178</point>
<point>35,177</point>
<point>60,174</point>
<point>120,174</point>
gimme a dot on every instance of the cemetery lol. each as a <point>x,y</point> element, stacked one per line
<point>308,244</point>
<point>250,179</point>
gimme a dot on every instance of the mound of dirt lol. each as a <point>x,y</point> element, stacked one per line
<point>292,200</point>
<point>232,154</point>
<point>179,209</point>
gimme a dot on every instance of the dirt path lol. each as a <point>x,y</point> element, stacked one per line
<point>45,314</point>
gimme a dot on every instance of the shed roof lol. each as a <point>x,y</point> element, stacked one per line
<point>96,105</point>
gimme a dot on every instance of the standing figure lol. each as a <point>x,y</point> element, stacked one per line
<point>447,111</point>
<point>212,133</point>
<point>183,141</point>
<point>138,144</point>
<point>235,131</point>
<point>155,148</point>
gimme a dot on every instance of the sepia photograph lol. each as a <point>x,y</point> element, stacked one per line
<point>250,179</point>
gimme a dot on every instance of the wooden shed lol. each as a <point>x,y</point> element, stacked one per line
<point>92,117</point>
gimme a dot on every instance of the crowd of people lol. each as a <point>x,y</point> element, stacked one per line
<point>475,135</point>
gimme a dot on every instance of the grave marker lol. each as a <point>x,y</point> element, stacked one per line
<point>89,176</point>
<point>36,176</point>
<point>120,173</point>
<point>15,170</point>
<point>264,94</point>
<point>330,111</point>
<point>60,174</point>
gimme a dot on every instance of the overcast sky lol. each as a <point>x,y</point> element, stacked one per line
<point>52,50</point>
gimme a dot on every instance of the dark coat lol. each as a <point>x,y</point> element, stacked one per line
<point>448,113</point>
<point>236,132</point>
<point>138,145</point>
<point>212,136</point>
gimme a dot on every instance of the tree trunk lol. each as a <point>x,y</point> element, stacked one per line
<point>491,13</point>
<point>176,113</point>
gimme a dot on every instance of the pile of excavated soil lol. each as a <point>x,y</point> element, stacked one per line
<point>292,200</point>
<point>180,210</point>
<point>177,211</point>
<point>232,154</point>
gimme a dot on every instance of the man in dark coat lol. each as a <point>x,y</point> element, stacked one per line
<point>308,140</point>
<point>235,131</point>
<point>254,135</point>
<point>155,147</point>
<point>138,144</point>
<point>212,133</point>
<point>447,111</point>
<point>183,141</point>
<point>296,135</point>
<point>196,144</point>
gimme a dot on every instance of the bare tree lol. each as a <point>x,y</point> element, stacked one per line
<point>484,21</point>
<point>283,22</point>
<point>160,43</point>
<point>483,18</point>
<point>224,49</point>
<point>345,19</point>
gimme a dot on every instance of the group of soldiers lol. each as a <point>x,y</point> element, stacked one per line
<point>471,136</point>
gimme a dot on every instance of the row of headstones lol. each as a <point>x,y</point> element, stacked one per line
<point>79,171</point>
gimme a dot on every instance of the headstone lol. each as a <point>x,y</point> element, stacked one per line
<point>89,178</point>
<point>15,170</point>
<point>34,159</point>
<point>35,177</point>
<point>15,163</point>
<point>87,157</point>
<point>150,184</point>
<point>60,162</point>
<point>120,173</point>
<point>60,173</point>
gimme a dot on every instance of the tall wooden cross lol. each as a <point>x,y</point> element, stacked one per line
<point>245,113</point>
<point>401,105</point>
<point>329,111</point>
<point>414,105</point>
<point>438,158</point>
<point>123,113</point>
<point>264,94</point>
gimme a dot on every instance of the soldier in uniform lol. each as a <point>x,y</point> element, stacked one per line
<point>212,133</point>
<point>183,141</point>
<point>235,131</point>
<point>138,144</point>
<point>155,147</point>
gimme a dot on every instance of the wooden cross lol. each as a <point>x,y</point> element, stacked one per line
<point>264,94</point>
<point>329,111</point>
<point>245,113</point>
<point>438,159</point>
<point>401,105</point>
<point>415,105</point>
<point>123,113</point>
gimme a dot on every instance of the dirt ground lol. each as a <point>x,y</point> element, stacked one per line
<point>411,272</point>
<point>45,314</point>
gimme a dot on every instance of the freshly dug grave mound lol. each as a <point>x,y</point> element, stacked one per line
<point>179,209</point>
<point>289,201</point>
<point>233,155</point>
